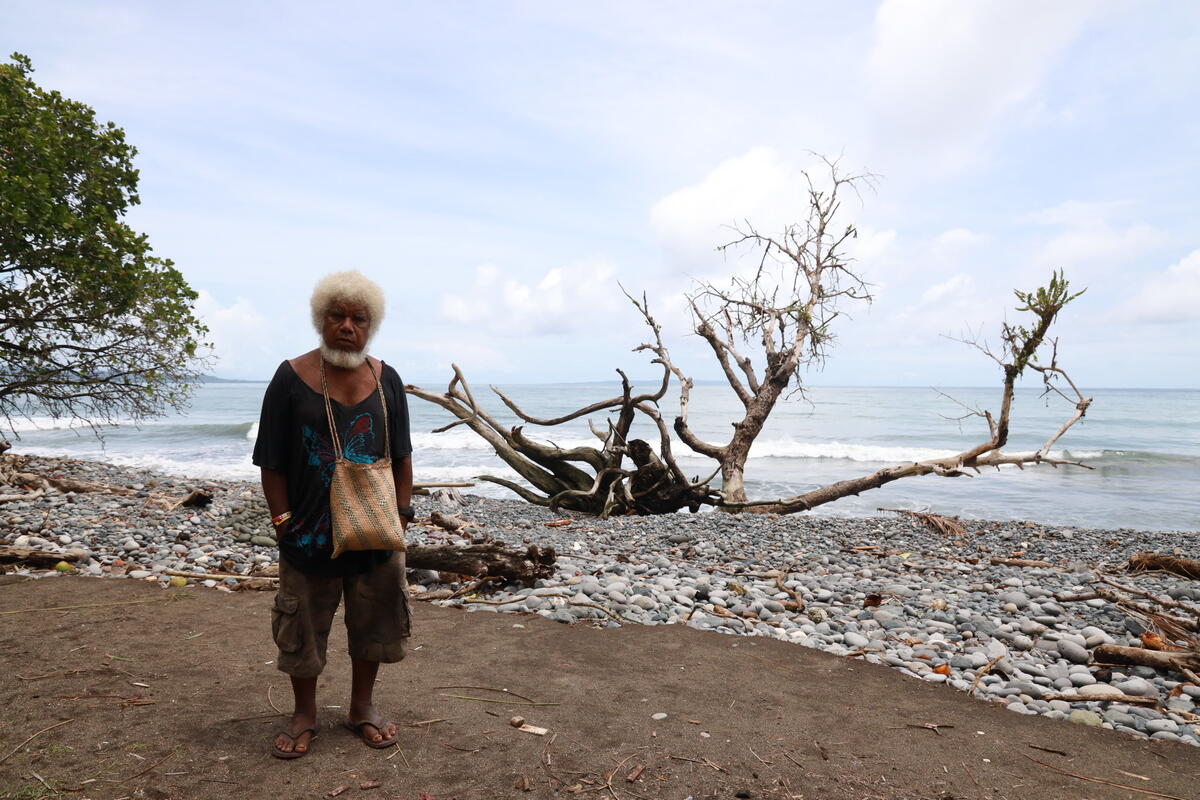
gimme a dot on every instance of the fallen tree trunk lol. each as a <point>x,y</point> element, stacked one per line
<point>1145,561</point>
<point>35,557</point>
<point>480,560</point>
<point>1140,657</point>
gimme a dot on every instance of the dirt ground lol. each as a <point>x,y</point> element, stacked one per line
<point>168,694</point>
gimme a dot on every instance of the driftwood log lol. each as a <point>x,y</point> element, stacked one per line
<point>476,560</point>
<point>1146,561</point>
<point>449,522</point>
<point>1115,697</point>
<point>1141,657</point>
<point>594,480</point>
<point>486,560</point>
<point>1018,562</point>
<point>34,557</point>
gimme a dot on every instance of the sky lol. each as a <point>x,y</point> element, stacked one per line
<point>502,169</point>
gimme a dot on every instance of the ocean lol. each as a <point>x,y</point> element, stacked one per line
<point>1143,445</point>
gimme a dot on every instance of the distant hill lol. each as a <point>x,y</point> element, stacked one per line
<point>215,379</point>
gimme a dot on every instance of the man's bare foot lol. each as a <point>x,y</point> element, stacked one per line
<point>375,732</point>
<point>294,741</point>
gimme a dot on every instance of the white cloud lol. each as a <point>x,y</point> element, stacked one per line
<point>241,336</point>
<point>1089,252</point>
<point>959,238</point>
<point>759,188</point>
<point>1075,213</point>
<point>942,71</point>
<point>871,244</point>
<point>957,306</point>
<point>565,299</point>
<point>955,286</point>
<point>1169,296</point>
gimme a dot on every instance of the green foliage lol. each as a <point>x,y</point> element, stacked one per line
<point>1044,302</point>
<point>91,323</point>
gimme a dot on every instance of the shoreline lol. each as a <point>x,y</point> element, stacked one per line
<point>885,589</point>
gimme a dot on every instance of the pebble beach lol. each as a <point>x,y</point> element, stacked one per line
<point>885,589</point>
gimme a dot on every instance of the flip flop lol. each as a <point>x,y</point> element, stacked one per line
<point>379,725</point>
<point>295,737</point>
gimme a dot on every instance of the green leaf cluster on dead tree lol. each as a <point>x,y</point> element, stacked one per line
<point>92,324</point>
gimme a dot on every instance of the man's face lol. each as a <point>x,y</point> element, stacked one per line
<point>346,327</point>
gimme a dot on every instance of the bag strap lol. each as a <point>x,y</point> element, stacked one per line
<point>337,443</point>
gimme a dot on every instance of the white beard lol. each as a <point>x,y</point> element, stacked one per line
<point>345,359</point>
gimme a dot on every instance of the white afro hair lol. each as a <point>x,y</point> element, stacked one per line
<point>350,286</point>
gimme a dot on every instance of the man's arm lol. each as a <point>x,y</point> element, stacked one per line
<point>402,472</point>
<point>275,490</point>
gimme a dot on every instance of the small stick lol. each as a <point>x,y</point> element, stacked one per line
<point>204,576</point>
<point>400,753</point>
<point>681,758</point>
<point>87,605</point>
<point>1046,749</point>
<point>979,675</point>
<point>31,738</point>
<point>426,722</point>
<point>64,672</point>
<point>794,761</point>
<point>608,781</point>
<point>272,702</point>
<point>1106,783</point>
<point>929,726</point>
<point>487,689</point>
<point>502,702</point>
<point>756,755</point>
<point>147,769</point>
<point>599,607</point>
<point>969,773</point>
<point>256,716</point>
<point>43,780</point>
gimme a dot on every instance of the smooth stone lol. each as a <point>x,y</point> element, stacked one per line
<point>1099,691</point>
<point>1156,725</point>
<point>855,641</point>
<point>1138,686</point>
<point>1018,599</point>
<point>1073,651</point>
<point>1089,718</point>
<point>1121,718</point>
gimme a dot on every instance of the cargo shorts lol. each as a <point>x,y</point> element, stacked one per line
<point>377,616</point>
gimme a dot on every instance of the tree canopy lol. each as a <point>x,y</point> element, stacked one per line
<point>92,325</point>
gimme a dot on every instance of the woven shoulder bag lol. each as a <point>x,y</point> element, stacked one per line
<point>362,497</point>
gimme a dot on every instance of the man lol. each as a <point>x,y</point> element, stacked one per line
<point>296,454</point>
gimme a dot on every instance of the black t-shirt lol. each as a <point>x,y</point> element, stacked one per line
<point>293,438</point>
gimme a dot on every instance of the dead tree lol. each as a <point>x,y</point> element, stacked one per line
<point>1020,352</point>
<point>784,310</point>
<point>588,479</point>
